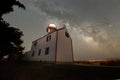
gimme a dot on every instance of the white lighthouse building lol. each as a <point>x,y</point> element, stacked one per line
<point>55,46</point>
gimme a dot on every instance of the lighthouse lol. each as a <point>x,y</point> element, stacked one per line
<point>55,46</point>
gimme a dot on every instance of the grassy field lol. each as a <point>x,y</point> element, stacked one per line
<point>48,71</point>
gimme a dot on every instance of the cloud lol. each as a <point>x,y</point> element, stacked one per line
<point>95,36</point>
<point>77,11</point>
<point>89,18</point>
<point>92,22</point>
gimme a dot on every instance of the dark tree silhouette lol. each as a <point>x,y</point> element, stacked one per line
<point>10,37</point>
<point>6,6</point>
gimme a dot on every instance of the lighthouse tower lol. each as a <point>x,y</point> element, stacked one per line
<point>55,46</point>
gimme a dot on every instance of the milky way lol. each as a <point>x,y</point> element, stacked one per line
<point>93,24</point>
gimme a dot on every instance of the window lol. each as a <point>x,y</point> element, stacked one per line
<point>48,38</point>
<point>47,51</point>
<point>39,52</point>
<point>67,34</point>
<point>33,53</point>
<point>35,43</point>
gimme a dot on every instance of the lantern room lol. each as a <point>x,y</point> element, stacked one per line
<point>51,28</point>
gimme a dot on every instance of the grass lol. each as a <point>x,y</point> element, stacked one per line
<point>51,71</point>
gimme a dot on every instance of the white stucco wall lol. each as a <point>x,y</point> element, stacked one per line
<point>64,47</point>
<point>60,48</point>
<point>42,44</point>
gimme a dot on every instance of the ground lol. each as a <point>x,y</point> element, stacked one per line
<point>51,71</point>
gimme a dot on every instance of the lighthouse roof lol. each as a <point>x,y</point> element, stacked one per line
<point>52,25</point>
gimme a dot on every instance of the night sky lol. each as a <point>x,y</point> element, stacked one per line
<point>94,25</point>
